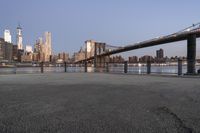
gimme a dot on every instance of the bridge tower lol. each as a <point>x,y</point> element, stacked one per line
<point>191,54</point>
<point>99,61</point>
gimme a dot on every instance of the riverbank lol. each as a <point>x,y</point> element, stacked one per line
<point>98,103</point>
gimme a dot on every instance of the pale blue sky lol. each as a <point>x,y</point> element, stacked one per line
<point>116,22</point>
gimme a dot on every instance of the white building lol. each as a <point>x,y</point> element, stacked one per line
<point>19,37</point>
<point>7,36</point>
<point>29,49</point>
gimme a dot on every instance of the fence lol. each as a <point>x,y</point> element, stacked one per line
<point>178,67</point>
<point>13,68</point>
<point>172,68</point>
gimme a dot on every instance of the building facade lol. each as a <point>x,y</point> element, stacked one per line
<point>160,56</point>
<point>63,57</point>
<point>7,36</point>
<point>79,56</point>
<point>44,48</point>
<point>6,50</point>
<point>133,59</point>
<point>28,49</point>
<point>47,47</point>
<point>19,38</point>
<point>15,53</point>
<point>146,58</point>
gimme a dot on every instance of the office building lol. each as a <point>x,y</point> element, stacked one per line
<point>48,49</point>
<point>116,59</point>
<point>1,48</point>
<point>28,49</point>
<point>27,57</point>
<point>160,54</point>
<point>79,55</point>
<point>133,59</point>
<point>44,48</point>
<point>7,36</point>
<point>63,57</point>
<point>19,38</point>
<point>146,58</point>
<point>6,50</point>
<point>15,53</point>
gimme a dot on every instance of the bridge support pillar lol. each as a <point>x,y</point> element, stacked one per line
<point>191,54</point>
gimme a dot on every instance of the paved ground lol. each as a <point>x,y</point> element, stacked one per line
<point>98,103</point>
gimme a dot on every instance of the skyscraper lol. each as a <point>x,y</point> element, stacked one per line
<point>48,49</point>
<point>160,53</point>
<point>5,50</point>
<point>160,56</point>
<point>7,36</point>
<point>19,37</point>
<point>43,48</point>
<point>48,42</point>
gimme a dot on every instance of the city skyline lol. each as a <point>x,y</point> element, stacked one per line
<point>118,24</point>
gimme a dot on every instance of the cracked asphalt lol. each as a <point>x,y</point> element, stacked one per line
<point>98,103</point>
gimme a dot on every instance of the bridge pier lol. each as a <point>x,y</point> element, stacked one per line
<point>191,54</point>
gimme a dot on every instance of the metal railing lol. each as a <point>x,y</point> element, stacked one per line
<point>27,68</point>
<point>177,67</point>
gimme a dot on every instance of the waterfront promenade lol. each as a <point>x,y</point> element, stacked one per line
<point>98,103</point>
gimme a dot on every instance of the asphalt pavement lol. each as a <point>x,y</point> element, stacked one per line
<point>98,103</point>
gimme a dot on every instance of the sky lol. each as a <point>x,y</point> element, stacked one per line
<point>116,22</point>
